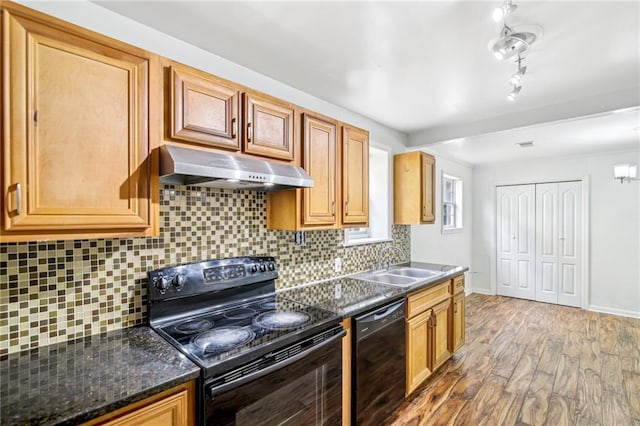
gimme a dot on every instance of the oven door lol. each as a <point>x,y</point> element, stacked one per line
<point>298,385</point>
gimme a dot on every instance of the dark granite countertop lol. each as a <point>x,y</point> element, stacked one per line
<point>350,296</point>
<point>345,296</point>
<point>68,383</point>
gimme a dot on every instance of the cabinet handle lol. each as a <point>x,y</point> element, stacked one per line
<point>234,128</point>
<point>435,319</point>
<point>18,198</point>
<point>333,208</point>
<point>346,208</point>
<point>455,308</point>
<point>249,133</point>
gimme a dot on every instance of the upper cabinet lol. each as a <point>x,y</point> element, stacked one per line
<point>320,161</point>
<point>203,110</point>
<point>414,188</point>
<point>355,176</point>
<point>78,132</point>
<point>336,156</point>
<point>269,126</point>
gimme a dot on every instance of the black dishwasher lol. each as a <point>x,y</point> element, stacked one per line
<point>378,370</point>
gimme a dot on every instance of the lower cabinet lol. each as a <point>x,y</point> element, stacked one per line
<point>435,328</point>
<point>173,407</point>
<point>442,348</point>
<point>419,338</point>
<point>458,321</point>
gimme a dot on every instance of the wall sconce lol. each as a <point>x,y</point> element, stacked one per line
<point>625,172</point>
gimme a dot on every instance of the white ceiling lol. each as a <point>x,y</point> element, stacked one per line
<point>423,67</point>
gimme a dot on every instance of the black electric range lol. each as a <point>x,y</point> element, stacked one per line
<point>225,316</point>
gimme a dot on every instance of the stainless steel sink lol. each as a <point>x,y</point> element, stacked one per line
<point>400,276</point>
<point>390,279</point>
<point>414,272</point>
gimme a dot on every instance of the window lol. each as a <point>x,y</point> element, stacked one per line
<point>451,203</point>
<point>379,226</point>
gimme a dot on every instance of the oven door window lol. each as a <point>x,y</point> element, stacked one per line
<point>306,392</point>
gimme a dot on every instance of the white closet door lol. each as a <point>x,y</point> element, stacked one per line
<point>547,242</point>
<point>570,243</point>
<point>559,243</point>
<point>516,245</point>
<point>505,268</point>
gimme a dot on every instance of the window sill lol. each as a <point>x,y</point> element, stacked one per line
<point>452,230</point>
<point>364,241</point>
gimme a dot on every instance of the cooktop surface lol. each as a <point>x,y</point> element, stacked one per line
<point>239,333</point>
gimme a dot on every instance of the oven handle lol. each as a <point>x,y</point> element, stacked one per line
<point>260,373</point>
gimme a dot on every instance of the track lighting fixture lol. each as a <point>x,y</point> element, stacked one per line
<point>512,43</point>
<point>500,13</point>
<point>516,77</point>
<point>512,96</point>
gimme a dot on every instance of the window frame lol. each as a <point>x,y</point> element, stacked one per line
<point>363,235</point>
<point>457,204</point>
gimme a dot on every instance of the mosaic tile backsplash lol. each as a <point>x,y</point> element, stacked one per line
<point>56,291</point>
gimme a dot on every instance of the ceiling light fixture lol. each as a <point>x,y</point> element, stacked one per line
<point>515,78</point>
<point>512,96</point>
<point>500,13</point>
<point>511,43</point>
<point>625,172</point>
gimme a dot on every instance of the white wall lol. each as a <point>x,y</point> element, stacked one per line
<point>428,243</point>
<point>104,21</point>
<point>614,224</point>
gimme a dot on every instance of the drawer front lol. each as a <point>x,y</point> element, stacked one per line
<point>458,284</point>
<point>422,300</point>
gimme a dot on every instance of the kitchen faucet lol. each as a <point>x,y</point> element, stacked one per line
<point>385,264</point>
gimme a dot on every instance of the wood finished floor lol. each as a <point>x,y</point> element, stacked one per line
<point>530,363</point>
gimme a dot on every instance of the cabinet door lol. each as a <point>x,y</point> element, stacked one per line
<point>319,202</point>
<point>458,321</point>
<point>419,340</point>
<point>441,344</point>
<point>428,182</point>
<point>76,139</point>
<point>170,411</point>
<point>268,127</point>
<point>203,111</point>
<point>355,176</point>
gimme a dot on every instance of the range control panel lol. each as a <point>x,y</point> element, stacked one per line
<point>210,275</point>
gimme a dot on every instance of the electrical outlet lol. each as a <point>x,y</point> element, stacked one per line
<point>337,267</point>
<point>338,291</point>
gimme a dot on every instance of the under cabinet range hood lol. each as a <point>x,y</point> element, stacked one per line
<point>194,167</point>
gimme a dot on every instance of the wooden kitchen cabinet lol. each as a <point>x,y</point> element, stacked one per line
<point>419,342</point>
<point>79,127</point>
<point>459,307</point>
<point>268,127</point>
<point>414,188</point>
<point>458,328</point>
<point>441,347</point>
<point>319,148</point>
<point>203,109</point>
<point>340,170</point>
<point>427,330</point>
<point>173,407</point>
<point>355,176</point>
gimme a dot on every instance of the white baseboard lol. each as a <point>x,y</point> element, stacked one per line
<point>477,290</point>
<point>614,311</point>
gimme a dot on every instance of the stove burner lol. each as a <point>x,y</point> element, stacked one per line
<point>223,339</point>
<point>269,305</point>
<point>240,313</point>
<point>193,326</point>
<point>283,320</point>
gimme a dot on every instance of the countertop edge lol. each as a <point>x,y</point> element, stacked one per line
<point>96,412</point>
